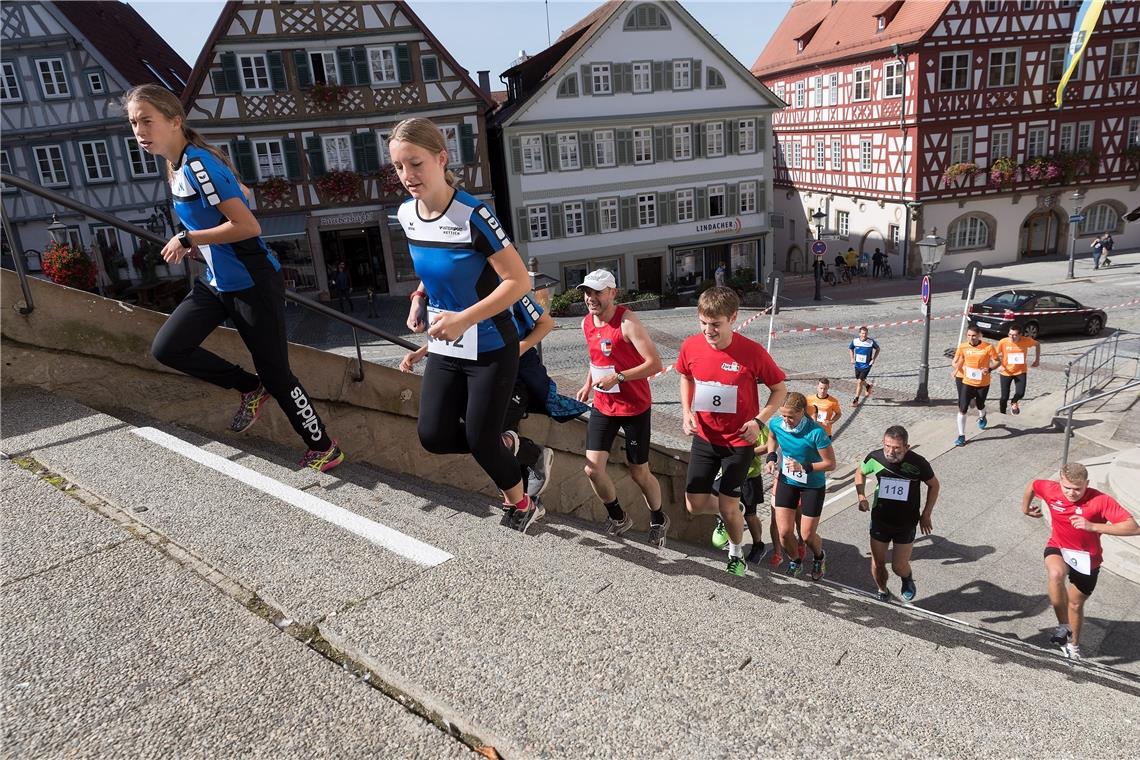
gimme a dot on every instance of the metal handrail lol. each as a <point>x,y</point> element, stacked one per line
<point>145,234</point>
<point>1071,407</point>
<point>1090,373</point>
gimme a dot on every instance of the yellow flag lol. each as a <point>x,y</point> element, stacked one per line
<point>1087,17</point>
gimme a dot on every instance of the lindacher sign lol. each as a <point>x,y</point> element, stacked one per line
<point>721,225</point>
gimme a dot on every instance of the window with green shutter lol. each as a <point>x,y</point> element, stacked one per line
<point>467,144</point>
<point>276,71</point>
<point>403,63</point>
<point>228,79</point>
<point>292,158</point>
<point>243,161</point>
<point>315,152</point>
<point>346,66</point>
<point>301,66</point>
<point>429,64</point>
<point>365,153</point>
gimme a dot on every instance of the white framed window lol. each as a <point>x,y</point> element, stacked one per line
<point>833,90</point>
<point>270,157</point>
<point>1099,217</point>
<point>451,138</point>
<point>600,74</point>
<point>716,201</point>
<point>96,160</point>
<point>1125,54</point>
<point>1057,63</point>
<point>865,155</point>
<point>747,194</point>
<point>568,159</point>
<point>862,83</point>
<point>533,161</point>
<point>643,145</point>
<point>643,76</point>
<point>826,90</point>
<point>1065,138</point>
<point>1001,144</point>
<point>429,67</point>
<point>714,139</point>
<point>993,6</point>
<point>1003,68</point>
<point>837,155</point>
<point>962,147</point>
<point>647,210</point>
<point>817,91</point>
<point>843,223</point>
<point>893,237</point>
<point>746,136</point>
<point>538,220</point>
<point>683,74</point>
<point>800,94</point>
<point>5,168</point>
<point>382,65</point>
<point>573,218</point>
<point>970,232</point>
<point>820,154</point>
<point>608,215</point>
<point>1084,135</point>
<point>686,205</point>
<point>682,142</point>
<point>954,71</point>
<point>9,83</point>
<point>53,78</point>
<point>1133,140</point>
<point>254,70</point>
<point>1036,142</point>
<point>892,79</point>
<point>1028,5</point>
<point>605,153</point>
<point>96,83</point>
<point>338,152</point>
<point>322,64</point>
<point>797,155</point>
<point>49,162</point>
<point>382,137</point>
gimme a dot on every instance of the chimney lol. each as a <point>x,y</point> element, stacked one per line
<point>485,81</point>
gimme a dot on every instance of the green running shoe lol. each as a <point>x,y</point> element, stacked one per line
<point>736,566</point>
<point>720,535</point>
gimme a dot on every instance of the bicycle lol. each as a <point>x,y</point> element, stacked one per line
<point>886,271</point>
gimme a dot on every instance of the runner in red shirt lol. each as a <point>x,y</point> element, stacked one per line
<point>720,409</point>
<point>1079,515</point>
<point>622,357</point>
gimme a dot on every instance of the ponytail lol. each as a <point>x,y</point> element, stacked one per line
<point>194,138</point>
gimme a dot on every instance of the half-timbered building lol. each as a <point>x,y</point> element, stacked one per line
<point>302,96</point>
<point>65,67</point>
<point>910,116</point>
<point>638,144</point>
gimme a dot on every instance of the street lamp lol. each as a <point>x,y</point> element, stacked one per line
<point>57,230</point>
<point>1077,196</point>
<point>932,248</point>
<point>818,218</point>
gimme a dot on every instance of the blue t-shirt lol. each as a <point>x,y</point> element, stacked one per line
<point>450,254</point>
<point>864,351</point>
<point>803,445</point>
<point>201,183</point>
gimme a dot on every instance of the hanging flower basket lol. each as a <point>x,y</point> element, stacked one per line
<point>327,96</point>
<point>274,189</point>
<point>68,266</point>
<point>1040,169</point>
<point>339,185</point>
<point>390,183</point>
<point>1075,165</point>
<point>1131,156</point>
<point>1003,171</point>
<point>958,171</point>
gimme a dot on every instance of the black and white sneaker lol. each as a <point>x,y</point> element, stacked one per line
<point>1061,635</point>
<point>756,553</point>
<point>522,519</point>
<point>540,473</point>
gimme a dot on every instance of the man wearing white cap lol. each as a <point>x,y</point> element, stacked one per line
<point>622,357</point>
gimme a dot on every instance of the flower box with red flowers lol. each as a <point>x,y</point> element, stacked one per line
<point>68,266</point>
<point>274,189</point>
<point>343,185</point>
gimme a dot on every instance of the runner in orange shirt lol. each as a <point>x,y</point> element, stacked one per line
<point>1012,351</point>
<point>971,366</point>
<point>823,407</point>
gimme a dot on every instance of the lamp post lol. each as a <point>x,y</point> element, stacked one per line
<point>932,248</point>
<point>818,218</point>
<point>1077,196</point>
<point>57,230</point>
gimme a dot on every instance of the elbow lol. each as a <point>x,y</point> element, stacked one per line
<point>252,229</point>
<point>655,365</point>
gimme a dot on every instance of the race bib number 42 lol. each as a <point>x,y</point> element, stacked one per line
<point>465,347</point>
<point>714,397</point>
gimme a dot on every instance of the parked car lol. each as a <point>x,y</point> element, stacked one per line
<point>1036,312</point>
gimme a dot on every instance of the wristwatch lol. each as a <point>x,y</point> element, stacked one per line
<point>620,377</point>
<point>184,239</point>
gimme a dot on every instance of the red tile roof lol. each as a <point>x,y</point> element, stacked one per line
<point>847,28</point>
<point>122,37</point>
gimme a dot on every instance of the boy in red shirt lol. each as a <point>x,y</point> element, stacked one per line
<point>1079,515</point>
<point>720,408</point>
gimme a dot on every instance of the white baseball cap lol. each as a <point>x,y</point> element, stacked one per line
<point>599,279</point>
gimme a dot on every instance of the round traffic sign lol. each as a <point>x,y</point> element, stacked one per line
<point>819,248</point>
<point>926,289</point>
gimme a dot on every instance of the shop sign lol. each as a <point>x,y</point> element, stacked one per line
<point>354,219</point>
<point>716,226</point>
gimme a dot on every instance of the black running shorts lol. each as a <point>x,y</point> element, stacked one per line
<point>603,429</point>
<point>808,500</point>
<point>968,393</point>
<point>706,460</point>
<point>1084,583</point>
<point>892,534</point>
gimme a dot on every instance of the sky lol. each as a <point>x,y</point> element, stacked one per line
<point>481,34</point>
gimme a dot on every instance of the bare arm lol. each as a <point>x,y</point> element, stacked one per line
<point>634,331</point>
<point>1027,505</point>
<point>688,425</point>
<point>860,488</point>
<point>1036,354</point>
<point>1125,528</point>
<point>776,395</point>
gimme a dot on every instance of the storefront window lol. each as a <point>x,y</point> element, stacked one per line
<point>574,274</point>
<point>401,257</point>
<point>296,259</point>
<point>688,267</point>
<point>743,258</point>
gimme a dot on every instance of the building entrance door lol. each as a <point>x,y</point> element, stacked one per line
<point>363,253</point>
<point>649,274</point>
<point>1039,235</point>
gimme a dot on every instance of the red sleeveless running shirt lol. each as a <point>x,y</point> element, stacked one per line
<point>611,352</point>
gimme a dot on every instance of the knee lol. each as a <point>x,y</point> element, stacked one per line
<point>1056,577</point>
<point>690,507</point>
<point>640,473</point>
<point>165,352</point>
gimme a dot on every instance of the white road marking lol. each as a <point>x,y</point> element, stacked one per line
<point>839,495</point>
<point>381,535</point>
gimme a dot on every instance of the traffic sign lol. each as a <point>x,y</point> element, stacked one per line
<point>819,248</point>
<point>926,289</point>
<point>1076,218</point>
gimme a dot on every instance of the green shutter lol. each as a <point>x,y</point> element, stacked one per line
<point>731,137</point>
<point>659,153</point>
<point>365,153</point>
<point>554,212</point>
<point>667,155</point>
<point>585,150</point>
<point>522,232</point>
<point>731,200</point>
<point>218,78</point>
<point>590,211</point>
<point>292,158</point>
<point>230,73</point>
<point>696,74</point>
<point>316,154</point>
<point>664,208</point>
<point>587,81</point>
<point>243,158</point>
<point>623,146</point>
<point>659,80</point>
<point>761,135</point>
<point>698,140</point>
<point>516,155</point>
<point>467,144</point>
<point>345,67</point>
<point>761,197</point>
<point>276,70</point>
<point>430,66</point>
<point>628,212</point>
<point>360,65</point>
<point>550,141</point>
<point>700,201</point>
<point>301,65</point>
<point>403,63</point>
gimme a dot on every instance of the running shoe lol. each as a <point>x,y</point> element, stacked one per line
<point>1073,652</point>
<point>322,461</point>
<point>818,567</point>
<point>249,410</point>
<point>776,559</point>
<point>540,473</point>
<point>659,533</point>
<point>855,401</point>
<point>756,553</point>
<point>795,569</point>
<point>1015,408</point>
<point>522,519</point>
<point>960,440</point>
<point>736,566</point>
<point>511,441</point>
<point>908,589</point>
<point>981,423</point>
<point>1061,635</point>
<point>883,596</point>
<point>869,388</point>
<point>617,527</point>
<point>720,535</point>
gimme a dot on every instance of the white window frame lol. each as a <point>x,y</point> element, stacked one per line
<point>382,136</point>
<point>1066,138</point>
<point>605,148</point>
<point>601,79</point>
<point>717,191</point>
<point>94,77</point>
<point>6,168</point>
<point>893,82</point>
<point>325,57</point>
<point>1099,218</point>
<point>88,153</point>
<point>337,165</point>
<point>1036,142</point>
<point>1084,136</point>
<point>686,205</point>
<point>568,156</point>
<point>642,76</point>
<point>59,165</point>
<point>261,81</point>
<point>962,146</point>
<point>817,91</point>
<point>1002,67</point>
<point>643,145</point>
<point>800,94</point>
<point>608,215</point>
<point>682,142</point>
<point>574,210</point>
<point>54,78</point>
<point>820,153</point>
<point>1057,56</point>
<point>968,233</point>
<point>837,155</point>
<point>269,148</point>
<point>861,80</point>
<point>956,58</point>
<point>382,68</point>
<point>1133,139</point>
<point>438,67</point>
<point>531,150</point>
<point>1127,53</point>
<point>893,231</point>
<point>682,74</point>
<point>866,155</point>
<point>746,136</point>
<point>1001,144</point>
<point>647,209</point>
<point>746,193</point>
<point>843,223</point>
<point>538,222</point>
<point>797,155</point>
<point>451,139</point>
<point>714,139</point>
<point>10,83</point>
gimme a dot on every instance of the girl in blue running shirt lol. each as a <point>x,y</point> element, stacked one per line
<point>242,283</point>
<point>470,276</point>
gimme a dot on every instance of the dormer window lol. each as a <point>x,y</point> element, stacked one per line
<point>803,39</point>
<point>799,46</point>
<point>885,13</point>
<point>882,23</point>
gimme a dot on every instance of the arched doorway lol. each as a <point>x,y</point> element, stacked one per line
<point>1040,234</point>
<point>794,263</point>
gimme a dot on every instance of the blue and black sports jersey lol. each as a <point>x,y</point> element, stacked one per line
<point>450,255</point>
<point>200,185</point>
<point>864,351</point>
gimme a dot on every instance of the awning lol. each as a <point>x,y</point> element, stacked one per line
<point>290,225</point>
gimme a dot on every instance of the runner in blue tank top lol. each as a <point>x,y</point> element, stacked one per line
<point>242,282</point>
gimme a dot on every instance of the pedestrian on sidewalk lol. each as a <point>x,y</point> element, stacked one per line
<point>343,286</point>
<point>895,512</point>
<point>1106,244</point>
<point>1079,516</point>
<point>864,351</point>
<point>972,364</point>
<point>720,275</point>
<point>622,358</point>
<point>877,263</point>
<point>1012,351</point>
<point>242,283</point>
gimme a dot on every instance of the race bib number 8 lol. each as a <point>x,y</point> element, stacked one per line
<point>599,373</point>
<point>714,397</point>
<point>973,374</point>
<point>894,489</point>
<point>466,347</point>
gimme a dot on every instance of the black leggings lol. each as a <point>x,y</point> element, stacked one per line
<point>1018,383</point>
<point>462,407</point>
<point>259,315</point>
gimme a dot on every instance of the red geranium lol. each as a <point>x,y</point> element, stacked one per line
<point>68,266</point>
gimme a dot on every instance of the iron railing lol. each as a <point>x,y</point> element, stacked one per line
<point>1068,410</point>
<point>1093,369</point>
